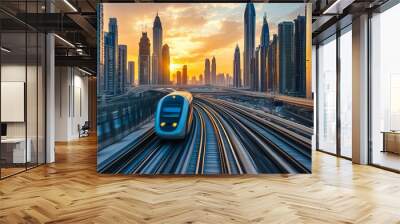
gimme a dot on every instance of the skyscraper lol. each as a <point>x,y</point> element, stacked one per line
<point>122,66</point>
<point>174,80</point>
<point>157,51</point>
<point>272,68</point>
<point>213,71</point>
<point>300,55</point>
<point>207,72</point>
<point>201,79</point>
<point>249,41</point>
<point>228,80</point>
<point>131,73</point>
<point>193,81</point>
<point>107,62</point>
<point>184,75</point>
<point>237,81</point>
<point>220,79</point>
<point>144,60</point>
<point>286,57</point>
<point>165,64</point>
<point>255,70</point>
<point>111,55</point>
<point>264,43</point>
<point>178,78</point>
<point>100,50</point>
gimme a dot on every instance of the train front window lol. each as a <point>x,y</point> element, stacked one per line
<point>171,112</point>
<point>172,108</point>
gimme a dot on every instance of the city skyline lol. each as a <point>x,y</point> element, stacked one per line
<point>219,43</point>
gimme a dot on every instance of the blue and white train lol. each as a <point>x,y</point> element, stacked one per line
<point>174,115</point>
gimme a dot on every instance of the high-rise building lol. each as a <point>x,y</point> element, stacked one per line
<point>131,74</point>
<point>229,81</point>
<point>237,81</point>
<point>272,68</point>
<point>249,41</point>
<point>122,69</point>
<point>207,72</point>
<point>165,65</point>
<point>201,79</point>
<point>178,78</point>
<point>286,57</point>
<point>100,50</point>
<point>264,44</point>
<point>300,55</point>
<point>193,80</point>
<point>157,51</point>
<point>107,62</point>
<point>220,79</point>
<point>213,71</point>
<point>110,56</point>
<point>255,70</point>
<point>184,75</point>
<point>174,80</point>
<point>144,60</point>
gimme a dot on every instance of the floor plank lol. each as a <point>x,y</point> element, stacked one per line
<point>70,191</point>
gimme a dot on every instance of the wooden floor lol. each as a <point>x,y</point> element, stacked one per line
<point>70,191</point>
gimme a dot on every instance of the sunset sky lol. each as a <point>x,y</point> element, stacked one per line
<point>195,31</point>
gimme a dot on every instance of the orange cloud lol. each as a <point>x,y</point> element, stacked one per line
<point>193,31</point>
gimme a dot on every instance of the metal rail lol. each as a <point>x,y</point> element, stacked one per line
<point>224,139</point>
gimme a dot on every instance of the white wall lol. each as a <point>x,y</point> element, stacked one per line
<point>62,82</point>
<point>71,102</point>
<point>16,73</point>
<point>33,126</point>
<point>80,103</point>
<point>12,73</point>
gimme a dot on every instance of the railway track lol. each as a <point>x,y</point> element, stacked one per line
<point>228,160</point>
<point>305,131</point>
<point>285,151</point>
<point>224,139</point>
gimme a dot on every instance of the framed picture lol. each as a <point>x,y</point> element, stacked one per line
<point>204,88</point>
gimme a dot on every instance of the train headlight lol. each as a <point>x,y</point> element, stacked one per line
<point>174,124</point>
<point>162,124</point>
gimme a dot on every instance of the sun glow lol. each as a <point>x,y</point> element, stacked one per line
<point>174,67</point>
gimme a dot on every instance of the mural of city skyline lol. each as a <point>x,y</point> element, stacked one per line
<point>159,52</point>
<point>204,88</point>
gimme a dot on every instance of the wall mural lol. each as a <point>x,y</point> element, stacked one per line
<point>204,88</point>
